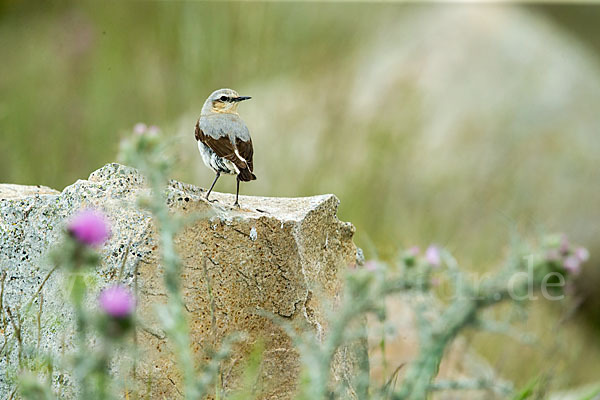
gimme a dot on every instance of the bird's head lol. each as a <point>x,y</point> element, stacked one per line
<point>223,101</point>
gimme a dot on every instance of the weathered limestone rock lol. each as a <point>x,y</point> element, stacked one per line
<point>274,255</point>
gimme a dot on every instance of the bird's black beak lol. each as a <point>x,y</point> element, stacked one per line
<point>241,98</point>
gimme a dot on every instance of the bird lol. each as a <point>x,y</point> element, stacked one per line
<point>224,139</point>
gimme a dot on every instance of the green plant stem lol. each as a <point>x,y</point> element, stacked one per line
<point>462,312</point>
<point>179,331</point>
<point>81,370</point>
<point>422,371</point>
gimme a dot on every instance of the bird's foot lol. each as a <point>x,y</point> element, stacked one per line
<point>211,201</point>
<point>236,204</point>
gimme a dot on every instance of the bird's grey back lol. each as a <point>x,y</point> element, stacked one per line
<point>217,125</point>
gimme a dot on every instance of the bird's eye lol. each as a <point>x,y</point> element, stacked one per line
<point>224,98</point>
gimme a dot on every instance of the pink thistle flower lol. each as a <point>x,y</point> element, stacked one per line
<point>433,256</point>
<point>153,130</point>
<point>413,251</point>
<point>572,264</point>
<point>582,254</point>
<point>140,128</point>
<point>89,227</point>
<point>371,266</point>
<point>117,301</point>
<point>553,255</point>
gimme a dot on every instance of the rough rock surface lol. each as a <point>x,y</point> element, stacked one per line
<point>274,255</point>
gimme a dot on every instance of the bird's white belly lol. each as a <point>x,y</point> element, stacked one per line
<point>214,162</point>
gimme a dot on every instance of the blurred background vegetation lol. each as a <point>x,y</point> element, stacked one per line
<point>447,124</point>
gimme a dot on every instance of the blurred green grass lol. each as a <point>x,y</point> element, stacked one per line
<point>75,76</point>
<point>430,126</point>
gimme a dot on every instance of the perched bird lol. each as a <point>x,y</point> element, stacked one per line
<point>223,138</point>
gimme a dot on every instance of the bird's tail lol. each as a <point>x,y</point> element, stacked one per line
<point>245,175</point>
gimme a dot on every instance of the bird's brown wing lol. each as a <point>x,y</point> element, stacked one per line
<point>224,148</point>
<point>246,150</point>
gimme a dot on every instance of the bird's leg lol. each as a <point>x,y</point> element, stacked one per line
<point>213,185</point>
<point>237,193</point>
